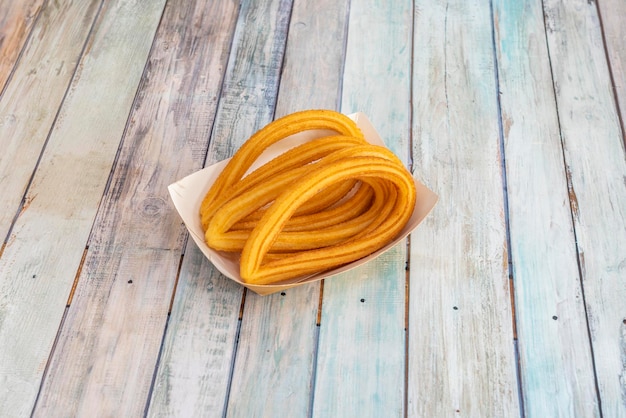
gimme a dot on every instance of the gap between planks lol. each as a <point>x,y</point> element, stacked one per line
<point>73,289</point>
<point>505,193</point>
<point>45,370</point>
<point>507,225</point>
<point>573,202</point>
<point>158,359</point>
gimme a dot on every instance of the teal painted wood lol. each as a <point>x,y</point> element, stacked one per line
<point>40,260</point>
<point>556,367</point>
<point>275,357</point>
<point>195,368</point>
<point>461,358</point>
<point>109,346</point>
<point>594,157</point>
<point>31,100</point>
<point>361,353</point>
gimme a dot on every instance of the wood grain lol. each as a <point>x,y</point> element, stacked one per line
<point>594,157</point>
<point>361,354</point>
<point>109,346</point>
<point>461,355</point>
<point>275,356</point>
<point>555,356</point>
<point>200,345</point>
<point>16,22</point>
<point>30,103</point>
<point>612,15</point>
<point>98,116</point>
<point>40,260</point>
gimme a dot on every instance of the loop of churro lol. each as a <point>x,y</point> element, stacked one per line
<point>245,203</point>
<point>270,134</point>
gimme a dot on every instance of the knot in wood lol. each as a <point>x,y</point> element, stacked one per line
<point>152,207</point>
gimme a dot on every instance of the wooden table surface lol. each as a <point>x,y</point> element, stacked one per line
<point>509,300</point>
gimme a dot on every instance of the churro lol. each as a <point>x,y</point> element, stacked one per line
<point>328,202</point>
<point>270,134</point>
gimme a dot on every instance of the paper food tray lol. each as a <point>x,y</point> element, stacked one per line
<point>188,193</point>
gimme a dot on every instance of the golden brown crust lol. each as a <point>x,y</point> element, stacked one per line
<point>270,134</point>
<point>323,204</point>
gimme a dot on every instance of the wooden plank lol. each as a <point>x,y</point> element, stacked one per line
<point>29,104</point>
<point>314,57</point>
<point>275,356</point>
<point>594,157</point>
<point>461,354</point>
<point>556,367</point>
<point>39,262</point>
<point>361,354</point>
<point>195,368</point>
<point>16,22</point>
<point>612,16</point>
<point>109,345</point>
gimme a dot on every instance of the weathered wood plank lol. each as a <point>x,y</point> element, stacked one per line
<point>40,260</point>
<point>361,354</point>
<point>314,57</point>
<point>110,342</point>
<point>195,368</point>
<point>16,22</point>
<point>613,15</point>
<point>29,104</point>
<point>275,357</point>
<point>556,367</point>
<point>461,353</point>
<point>594,157</point>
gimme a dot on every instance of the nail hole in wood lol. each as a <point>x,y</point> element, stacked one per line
<point>34,276</point>
<point>555,317</point>
<point>456,308</point>
<point>362,300</point>
<point>282,293</point>
<point>130,282</point>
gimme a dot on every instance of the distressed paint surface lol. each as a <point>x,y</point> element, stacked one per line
<point>555,356</point>
<point>594,157</point>
<point>461,355</point>
<point>361,352</point>
<point>110,341</point>
<point>39,263</point>
<point>29,105</point>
